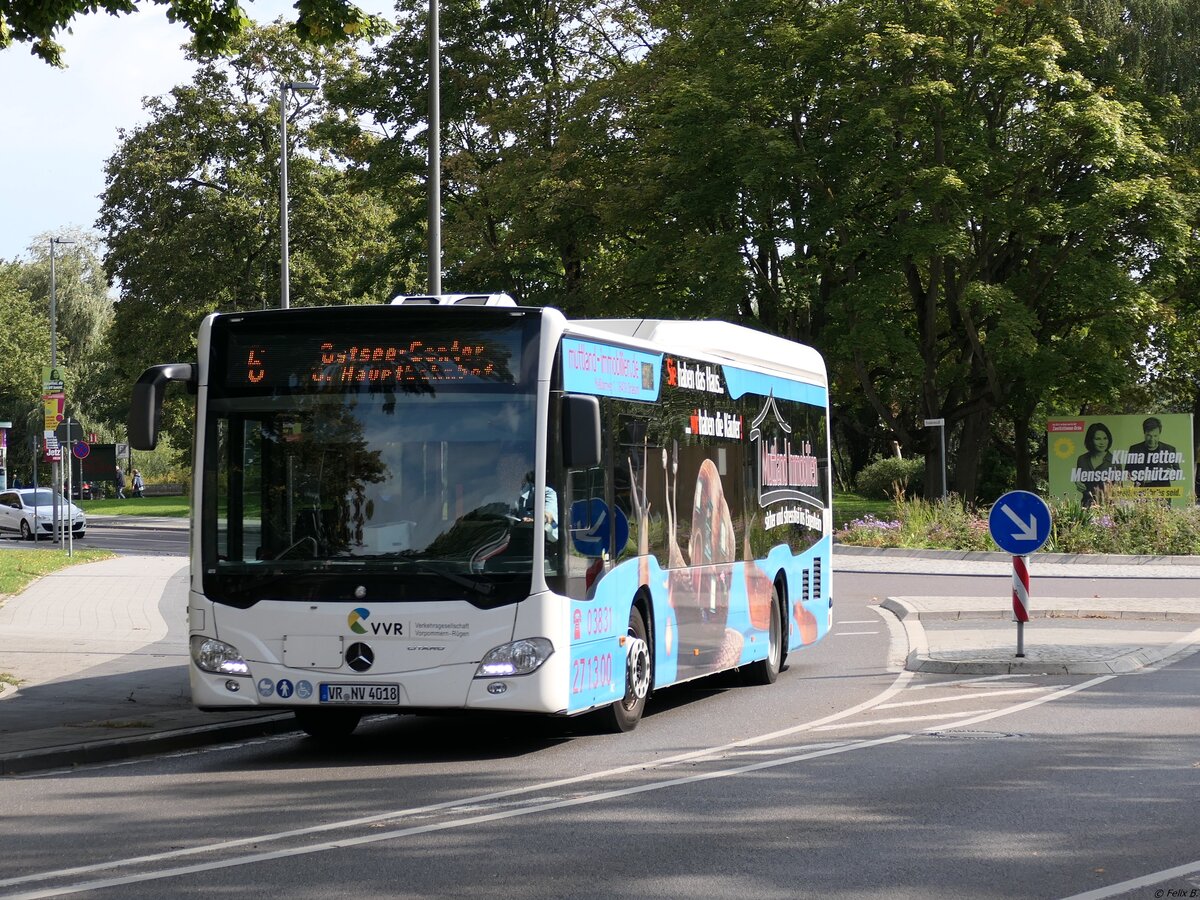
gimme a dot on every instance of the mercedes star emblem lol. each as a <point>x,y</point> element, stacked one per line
<point>360,657</point>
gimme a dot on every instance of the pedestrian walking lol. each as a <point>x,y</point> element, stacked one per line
<point>138,484</point>
<point>120,477</point>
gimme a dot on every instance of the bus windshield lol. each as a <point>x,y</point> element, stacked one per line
<point>385,493</point>
<point>422,484</point>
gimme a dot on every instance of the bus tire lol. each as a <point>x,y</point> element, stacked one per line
<point>624,714</point>
<point>328,724</point>
<point>765,671</point>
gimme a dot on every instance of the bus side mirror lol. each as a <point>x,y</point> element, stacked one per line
<point>145,406</point>
<point>581,431</point>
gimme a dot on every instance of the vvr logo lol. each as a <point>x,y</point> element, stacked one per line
<point>358,617</point>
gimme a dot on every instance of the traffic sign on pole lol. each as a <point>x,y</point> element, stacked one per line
<point>1019,522</point>
<point>1020,525</point>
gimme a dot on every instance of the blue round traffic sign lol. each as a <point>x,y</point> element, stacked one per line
<point>81,450</point>
<point>1019,522</point>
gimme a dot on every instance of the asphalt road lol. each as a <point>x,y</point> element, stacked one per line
<point>847,778</point>
<point>121,539</point>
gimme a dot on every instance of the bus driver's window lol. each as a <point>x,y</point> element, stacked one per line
<point>588,528</point>
<point>550,518</point>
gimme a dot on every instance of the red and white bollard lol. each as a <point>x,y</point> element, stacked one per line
<point>1021,599</point>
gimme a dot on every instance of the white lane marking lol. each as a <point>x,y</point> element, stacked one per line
<point>344,843</point>
<point>1134,884</point>
<point>898,685</point>
<point>898,721</point>
<point>980,681</point>
<point>953,699</point>
<point>859,622</point>
<point>1029,704</point>
<point>507,814</point>
<point>845,633</point>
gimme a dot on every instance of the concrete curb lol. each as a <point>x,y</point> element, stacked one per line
<point>116,749</point>
<point>159,523</point>
<point>919,660</point>
<point>1098,559</point>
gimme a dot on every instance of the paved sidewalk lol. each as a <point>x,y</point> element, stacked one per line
<point>101,649</point>
<point>101,653</point>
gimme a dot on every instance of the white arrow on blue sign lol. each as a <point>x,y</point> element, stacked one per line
<point>1019,522</point>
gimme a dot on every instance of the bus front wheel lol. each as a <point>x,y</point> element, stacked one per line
<point>328,724</point>
<point>625,714</point>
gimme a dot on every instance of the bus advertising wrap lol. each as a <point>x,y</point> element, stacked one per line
<point>1122,458</point>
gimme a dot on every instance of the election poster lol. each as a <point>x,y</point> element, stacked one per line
<point>1122,458</point>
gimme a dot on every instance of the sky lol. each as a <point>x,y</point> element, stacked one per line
<point>58,127</point>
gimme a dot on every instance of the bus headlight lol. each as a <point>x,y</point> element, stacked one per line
<point>212,655</point>
<point>516,658</point>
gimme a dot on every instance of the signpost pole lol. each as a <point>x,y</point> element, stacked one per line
<point>1020,524</point>
<point>70,519</point>
<point>1021,599</point>
<point>940,425</point>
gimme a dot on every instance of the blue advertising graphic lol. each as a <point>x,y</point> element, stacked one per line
<point>592,527</point>
<point>739,382</point>
<point>1019,522</point>
<point>606,371</point>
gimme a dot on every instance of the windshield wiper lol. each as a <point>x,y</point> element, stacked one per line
<point>425,567</point>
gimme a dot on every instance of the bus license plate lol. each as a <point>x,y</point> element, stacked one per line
<point>361,694</point>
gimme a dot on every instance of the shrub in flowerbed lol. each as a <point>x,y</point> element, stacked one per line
<point>1140,529</point>
<point>891,478</point>
<point>1147,529</point>
<point>870,531</point>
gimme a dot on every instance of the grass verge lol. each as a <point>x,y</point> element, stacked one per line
<point>138,506</point>
<point>19,567</point>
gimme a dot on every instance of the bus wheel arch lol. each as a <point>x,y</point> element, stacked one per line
<point>766,671</point>
<point>623,715</point>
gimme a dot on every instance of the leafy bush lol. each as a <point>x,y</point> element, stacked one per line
<point>891,478</point>
<point>1146,529</point>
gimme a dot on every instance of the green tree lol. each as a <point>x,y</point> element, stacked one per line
<point>83,314</point>
<point>191,209</point>
<point>524,135</point>
<point>24,350</point>
<point>932,193</point>
<point>215,24</point>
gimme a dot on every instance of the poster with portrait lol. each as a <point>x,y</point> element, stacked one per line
<point>1139,458</point>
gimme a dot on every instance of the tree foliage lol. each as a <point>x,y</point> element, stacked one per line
<point>191,209</point>
<point>524,138</point>
<point>215,24</point>
<point>979,211</point>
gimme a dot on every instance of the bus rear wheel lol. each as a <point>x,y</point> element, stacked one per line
<point>328,724</point>
<point>765,671</point>
<point>624,714</point>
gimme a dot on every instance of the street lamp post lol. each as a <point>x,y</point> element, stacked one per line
<point>435,155</point>
<point>54,304</point>
<point>55,467</point>
<point>284,287</point>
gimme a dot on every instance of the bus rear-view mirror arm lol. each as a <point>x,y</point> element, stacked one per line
<point>581,431</point>
<point>145,407</point>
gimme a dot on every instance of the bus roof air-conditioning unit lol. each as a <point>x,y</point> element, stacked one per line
<point>453,300</point>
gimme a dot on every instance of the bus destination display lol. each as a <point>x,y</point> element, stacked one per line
<point>344,362</point>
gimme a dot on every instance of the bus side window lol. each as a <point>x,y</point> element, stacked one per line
<point>588,528</point>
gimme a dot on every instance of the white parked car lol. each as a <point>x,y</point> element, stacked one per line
<point>29,512</point>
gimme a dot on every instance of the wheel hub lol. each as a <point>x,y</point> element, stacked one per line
<point>637,669</point>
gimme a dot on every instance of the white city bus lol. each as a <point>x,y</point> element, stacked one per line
<point>459,503</point>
